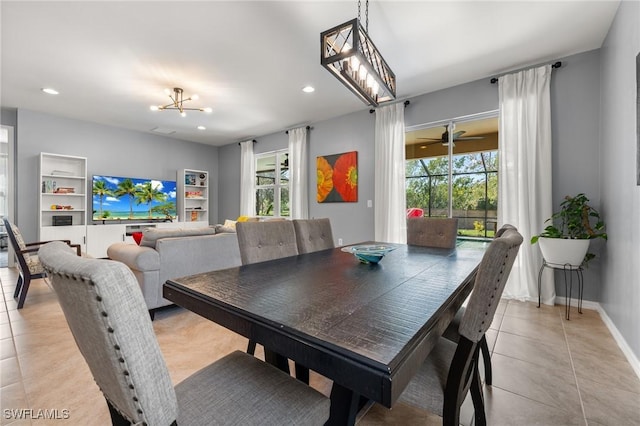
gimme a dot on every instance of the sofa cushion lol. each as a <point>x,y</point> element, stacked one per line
<point>151,235</point>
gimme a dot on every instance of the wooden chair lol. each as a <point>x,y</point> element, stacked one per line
<point>313,235</point>
<point>28,263</point>
<point>451,369</point>
<point>432,232</point>
<point>452,333</point>
<point>106,312</point>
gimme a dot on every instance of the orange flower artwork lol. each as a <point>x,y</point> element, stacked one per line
<point>325,178</point>
<point>342,170</point>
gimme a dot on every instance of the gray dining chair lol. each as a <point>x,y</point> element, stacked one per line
<point>451,370</point>
<point>107,315</point>
<point>452,333</point>
<point>263,241</point>
<point>313,235</point>
<point>432,232</point>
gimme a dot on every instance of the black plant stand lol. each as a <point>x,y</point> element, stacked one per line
<point>568,269</point>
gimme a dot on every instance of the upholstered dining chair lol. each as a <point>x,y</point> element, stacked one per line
<point>452,333</point>
<point>107,315</point>
<point>313,235</point>
<point>451,369</point>
<point>262,241</point>
<point>28,263</point>
<point>432,232</point>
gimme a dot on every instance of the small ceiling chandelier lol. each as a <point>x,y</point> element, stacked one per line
<point>177,101</point>
<point>349,53</point>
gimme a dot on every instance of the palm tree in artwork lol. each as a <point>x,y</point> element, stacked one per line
<point>126,187</point>
<point>147,194</point>
<point>101,190</point>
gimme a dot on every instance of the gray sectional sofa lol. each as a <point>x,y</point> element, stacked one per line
<point>172,253</point>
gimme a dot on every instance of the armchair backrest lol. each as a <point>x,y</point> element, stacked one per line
<point>262,241</point>
<point>432,232</point>
<point>313,235</point>
<point>106,313</point>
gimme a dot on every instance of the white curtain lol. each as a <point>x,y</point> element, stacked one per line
<point>390,197</point>
<point>247,179</point>
<point>298,174</point>
<point>524,182</point>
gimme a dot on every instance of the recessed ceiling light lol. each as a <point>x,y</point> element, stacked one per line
<point>202,128</point>
<point>50,91</point>
<point>308,89</point>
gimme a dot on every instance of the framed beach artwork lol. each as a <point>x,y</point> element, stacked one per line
<point>337,178</point>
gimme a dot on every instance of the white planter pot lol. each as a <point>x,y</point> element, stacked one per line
<point>560,251</point>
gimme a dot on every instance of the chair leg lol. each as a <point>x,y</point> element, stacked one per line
<point>251,348</point>
<point>116,418</point>
<point>18,286</point>
<point>486,359</point>
<point>477,398</point>
<point>23,292</point>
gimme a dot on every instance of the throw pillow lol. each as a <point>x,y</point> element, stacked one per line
<point>137,237</point>
<point>230,223</point>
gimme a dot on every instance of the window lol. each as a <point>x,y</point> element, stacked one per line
<point>272,184</point>
<point>460,182</point>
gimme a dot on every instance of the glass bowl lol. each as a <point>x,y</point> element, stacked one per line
<point>369,253</point>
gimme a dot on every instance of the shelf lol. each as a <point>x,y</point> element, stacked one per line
<point>63,177</point>
<point>193,199</point>
<point>73,194</point>
<point>63,211</point>
<point>194,210</point>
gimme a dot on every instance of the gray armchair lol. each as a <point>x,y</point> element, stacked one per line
<point>451,369</point>
<point>313,235</point>
<point>108,317</point>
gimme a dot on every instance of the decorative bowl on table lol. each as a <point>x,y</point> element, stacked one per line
<point>369,253</point>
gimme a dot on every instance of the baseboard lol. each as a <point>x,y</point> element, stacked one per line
<point>622,343</point>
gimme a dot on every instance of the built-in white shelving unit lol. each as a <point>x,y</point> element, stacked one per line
<point>63,198</point>
<point>193,197</point>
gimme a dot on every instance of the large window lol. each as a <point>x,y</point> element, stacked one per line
<point>459,181</point>
<point>272,184</point>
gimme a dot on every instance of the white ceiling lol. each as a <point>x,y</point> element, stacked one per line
<point>249,60</point>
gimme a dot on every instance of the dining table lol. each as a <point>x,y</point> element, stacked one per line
<point>366,326</point>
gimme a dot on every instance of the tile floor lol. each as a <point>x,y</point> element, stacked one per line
<point>547,371</point>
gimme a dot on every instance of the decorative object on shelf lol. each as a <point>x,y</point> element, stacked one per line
<point>59,207</point>
<point>337,178</point>
<point>566,239</point>
<point>351,56</point>
<point>189,179</point>
<point>369,253</point>
<point>177,102</point>
<point>193,194</point>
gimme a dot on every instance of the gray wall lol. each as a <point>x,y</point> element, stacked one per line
<point>109,150</point>
<point>575,129</point>
<point>620,295</point>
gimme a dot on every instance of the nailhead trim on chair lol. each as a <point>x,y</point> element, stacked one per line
<point>111,331</point>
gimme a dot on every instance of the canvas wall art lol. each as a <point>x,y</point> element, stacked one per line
<point>337,178</point>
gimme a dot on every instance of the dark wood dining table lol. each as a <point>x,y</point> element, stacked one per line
<point>367,327</point>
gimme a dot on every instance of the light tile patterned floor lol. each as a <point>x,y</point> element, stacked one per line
<point>547,371</point>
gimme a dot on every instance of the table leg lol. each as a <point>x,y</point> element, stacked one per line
<point>345,405</point>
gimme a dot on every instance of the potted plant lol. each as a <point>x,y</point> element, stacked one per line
<point>566,239</point>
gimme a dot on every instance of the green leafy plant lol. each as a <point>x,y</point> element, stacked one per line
<point>576,219</point>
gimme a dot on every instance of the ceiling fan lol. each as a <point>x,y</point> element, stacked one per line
<point>457,136</point>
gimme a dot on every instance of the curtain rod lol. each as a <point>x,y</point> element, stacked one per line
<point>558,64</point>
<point>254,141</point>
<point>308,128</point>
<point>406,104</point>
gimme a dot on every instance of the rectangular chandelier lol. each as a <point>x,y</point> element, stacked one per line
<point>349,53</point>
